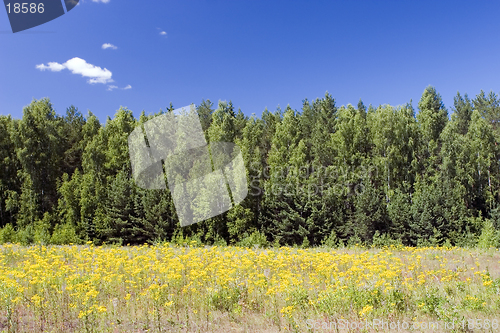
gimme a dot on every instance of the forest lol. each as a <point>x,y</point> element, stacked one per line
<point>322,175</point>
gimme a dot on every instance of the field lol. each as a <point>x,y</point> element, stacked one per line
<point>169,288</point>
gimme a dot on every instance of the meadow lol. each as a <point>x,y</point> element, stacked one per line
<point>192,288</point>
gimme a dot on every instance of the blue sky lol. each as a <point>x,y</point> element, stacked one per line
<point>256,53</point>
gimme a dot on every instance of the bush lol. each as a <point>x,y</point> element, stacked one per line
<point>42,230</point>
<point>255,239</point>
<point>181,240</point>
<point>219,241</point>
<point>331,241</point>
<point>7,234</point>
<point>64,234</point>
<point>381,240</point>
<point>468,235</point>
<point>24,236</point>
<point>489,235</point>
<point>354,241</point>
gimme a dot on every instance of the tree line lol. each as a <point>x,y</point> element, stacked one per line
<point>326,174</point>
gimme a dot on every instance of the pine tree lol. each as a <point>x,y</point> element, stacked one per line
<point>462,112</point>
<point>370,212</point>
<point>432,119</point>
<point>153,217</point>
<point>433,115</point>
<point>362,108</point>
<point>10,184</point>
<point>489,108</point>
<point>483,161</point>
<point>118,207</point>
<point>283,216</point>
<point>253,151</point>
<point>223,127</point>
<point>205,111</point>
<point>71,132</point>
<point>322,150</point>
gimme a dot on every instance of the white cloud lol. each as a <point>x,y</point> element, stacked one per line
<point>95,73</point>
<point>79,66</point>
<point>161,32</point>
<point>108,46</point>
<point>112,87</point>
<point>51,66</point>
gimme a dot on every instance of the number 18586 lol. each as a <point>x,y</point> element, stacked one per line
<point>25,8</point>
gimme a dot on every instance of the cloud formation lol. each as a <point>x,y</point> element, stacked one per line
<point>108,46</point>
<point>163,33</point>
<point>51,66</point>
<point>112,87</point>
<point>79,66</point>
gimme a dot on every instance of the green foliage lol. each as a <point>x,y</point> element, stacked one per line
<point>255,239</point>
<point>370,213</point>
<point>42,230</point>
<point>354,241</point>
<point>180,239</point>
<point>489,237</point>
<point>39,147</point>
<point>400,215</point>
<point>205,111</point>
<point>433,115</point>
<point>25,235</point>
<point>380,240</point>
<point>239,221</point>
<point>225,299</point>
<point>10,183</point>
<point>488,107</point>
<point>462,113</point>
<point>64,234</point>
<point>7,234</point>
<point>325,175</point>
<point>331,241</point>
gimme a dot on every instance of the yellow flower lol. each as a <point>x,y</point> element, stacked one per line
<point>366,310</point>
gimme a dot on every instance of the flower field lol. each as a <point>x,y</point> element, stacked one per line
<point>169,288</point>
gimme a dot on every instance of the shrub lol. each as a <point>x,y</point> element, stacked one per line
<point>24,236</point>
<point>42,230</point>
<point>331,241</point>
<point>256,238</point>
<point>181,240</point>
<point>7,234</point>
<point>489,236</point>
<point>64,234</point>
<point>381,240</point>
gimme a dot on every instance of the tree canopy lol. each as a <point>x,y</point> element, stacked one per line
<point>325,172</point>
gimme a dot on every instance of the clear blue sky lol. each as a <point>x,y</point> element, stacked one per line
<point>256,53</point>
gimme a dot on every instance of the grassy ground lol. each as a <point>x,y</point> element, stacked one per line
<point>211,289</point>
